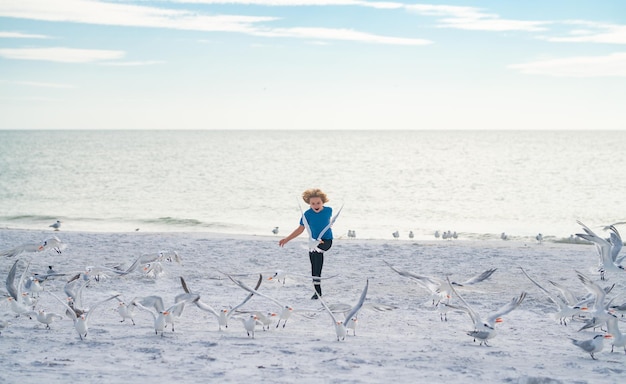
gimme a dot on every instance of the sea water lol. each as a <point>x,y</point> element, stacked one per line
<point>476,183</point>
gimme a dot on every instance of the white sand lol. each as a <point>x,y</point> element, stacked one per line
<point>408,344</point>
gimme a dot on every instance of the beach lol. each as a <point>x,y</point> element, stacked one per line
<point>407,343</point>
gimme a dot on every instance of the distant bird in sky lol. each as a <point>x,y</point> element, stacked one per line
<point>55,225</point>
<point>275,230</point>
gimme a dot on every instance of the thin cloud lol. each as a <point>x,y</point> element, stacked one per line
<point>613,65</point>
<point>94,12</point>
<point>472,18</point>
<point>20,35</point>
<point>42,85</point>
<point>299,3</point>
<point>590,32</point>
<point>60,54</point>
<point>340,34</point>
<point>133,63</point>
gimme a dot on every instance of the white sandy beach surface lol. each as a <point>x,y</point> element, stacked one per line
<point>407,344</point>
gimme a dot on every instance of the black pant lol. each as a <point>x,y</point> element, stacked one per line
<point>317,262</point>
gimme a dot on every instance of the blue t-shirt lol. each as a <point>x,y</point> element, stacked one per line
<point>318,221</point>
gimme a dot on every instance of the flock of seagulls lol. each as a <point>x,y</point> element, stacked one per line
<point>27,297</point>
<point>596,311</point>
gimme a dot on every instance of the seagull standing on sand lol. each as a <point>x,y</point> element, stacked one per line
<point>396,234</point>
<point>47,317</point>
<point>250,324</point>
<point>55,225</point>
<point>275,230</point>
<point>591,346</point>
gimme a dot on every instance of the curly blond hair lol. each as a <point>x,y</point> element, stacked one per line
<point>314,192</point>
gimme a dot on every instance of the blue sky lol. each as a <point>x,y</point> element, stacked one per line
<point>312,64</point>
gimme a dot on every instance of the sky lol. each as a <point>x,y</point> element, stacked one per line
<point>313,64</point>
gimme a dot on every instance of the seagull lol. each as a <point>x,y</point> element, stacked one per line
<point>275,230</point>
<point>439,288</point>
<point>437,234</point>
<point>81,321</point>
<point>163,316</point>
<point>250,324</point>
<point>351,233</point>
<point>313,243</point>
<point>47,317</point>
<point>126,311</point>
<point>224,314</point>
<point>285,310</point>
<point>485,330</point>
<point>341,326</point>
<point>539,238</point>
<point>616,245</point>
<point>504,236</point>
<point>604,249</point>
<point>619,338</point>
<point>51,243</point>
<point>17,298</point>
<point>591,346</point>
<point>396,234</point>
<point>565,308</point>
<point>56,225</point>
<point>600,311</point>
<point>411,235</point>
<point>265,318</point>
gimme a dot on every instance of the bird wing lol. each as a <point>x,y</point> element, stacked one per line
<point>511,305</point>
<point>429,283</point>
<point>153,301</point>
<point>10,283</point>
<point>93,307</point>
<point>244,286</point>
<point>332,315</point>
<point>359,304</point>
<point>312,243</point>
<point>330,224</point>
<point>69,312</point>
<point>468,308</point>
<point>594,288</point>
<point>570,299</point>
<point>258,284</point>
<point>477,278</point>
<point>616,243</point>
<point>554,298</point>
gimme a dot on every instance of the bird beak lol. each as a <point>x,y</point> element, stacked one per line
<point>608,336</point>
<point>499,320</point>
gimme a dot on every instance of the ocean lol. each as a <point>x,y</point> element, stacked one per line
<point>476,183</point>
